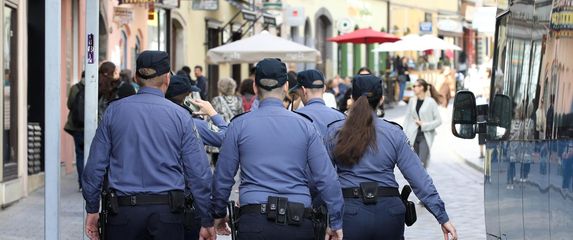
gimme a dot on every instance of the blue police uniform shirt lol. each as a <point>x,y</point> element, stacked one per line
<point>274,147</point>
<point>320,114</point>
<point>144,140</point>
<point>378,166</point>
<point>211,136</point>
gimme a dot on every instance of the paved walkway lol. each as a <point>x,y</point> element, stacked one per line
<point>459,185</point>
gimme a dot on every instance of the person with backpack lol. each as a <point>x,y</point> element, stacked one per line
<point>75,123</point>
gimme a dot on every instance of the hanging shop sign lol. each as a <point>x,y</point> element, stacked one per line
<point>136,1</point>
<point>122,15</point>
<point>273,4</point>
<point>562,18</point>
<point>206,5</point>
<point>426,27</point>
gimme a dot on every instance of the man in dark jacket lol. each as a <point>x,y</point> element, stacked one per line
<point>75,129</point>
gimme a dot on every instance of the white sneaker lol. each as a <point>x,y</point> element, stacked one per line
<point>401,103</point>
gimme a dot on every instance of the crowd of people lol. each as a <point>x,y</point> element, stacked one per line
<point>282,129</point>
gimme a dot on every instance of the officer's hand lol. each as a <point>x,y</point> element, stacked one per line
<point>448,228</point>
<point>207,233</point>
<point>221,226</point>
<point>333,235</point>
<point>205,107</point>
<point>92,223</point>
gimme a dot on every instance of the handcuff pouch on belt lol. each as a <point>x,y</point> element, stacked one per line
<point>369,192</point>
<point>281,211</point>
<point>176,201</point>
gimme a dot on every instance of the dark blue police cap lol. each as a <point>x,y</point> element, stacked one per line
<point>271,68</point>
<point>366,85</point>
<point>158,61</point>
<point>309,79</point>
<point>178,85</point>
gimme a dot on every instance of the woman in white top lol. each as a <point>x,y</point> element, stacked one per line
<point>422,119</point>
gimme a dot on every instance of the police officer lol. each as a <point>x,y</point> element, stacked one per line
<point>145,145</point>
<point>179,89</point>
<point>310,87</point>
<point>366,149</point>
<point>273,147</point>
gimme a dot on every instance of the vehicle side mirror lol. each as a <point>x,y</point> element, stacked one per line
<point>464,118</point>
<point>499,121</point>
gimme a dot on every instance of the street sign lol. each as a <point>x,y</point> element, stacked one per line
<point>426,27</point>
<point>91,54</point>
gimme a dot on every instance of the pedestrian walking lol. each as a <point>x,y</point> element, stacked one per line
<point>292,101</point>
<point>148,150</point>
<point>75,123</point>
<point>247,92</point>
<point>126,85</point>
<point>178,92</point>
<point>274,147</point>
<point>228,105</point>
<point>366,149</point>
<point>310,88</point>
<point>328,96</point>
<point>422,119</point>
<point>108,83</point>
<point>202,82</point>
<point>403,76</point>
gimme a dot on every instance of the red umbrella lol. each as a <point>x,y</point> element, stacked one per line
<point>365,36</point>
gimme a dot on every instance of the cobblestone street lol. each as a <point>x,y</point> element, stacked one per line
<point>460,186</point>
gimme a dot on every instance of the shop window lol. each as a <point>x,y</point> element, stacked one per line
<point>9,87</point>
<point>123,44</point>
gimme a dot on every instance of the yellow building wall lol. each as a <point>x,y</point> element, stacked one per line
<point>429,5</point>
<point>196,32</point>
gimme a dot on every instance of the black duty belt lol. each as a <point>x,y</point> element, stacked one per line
<point>382,192</point>
<point>262,209</point>
<point>143,200</point>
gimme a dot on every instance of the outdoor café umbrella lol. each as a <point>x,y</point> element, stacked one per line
<point>364,36</point>
<point>259,46</point>
<point>417,43</point>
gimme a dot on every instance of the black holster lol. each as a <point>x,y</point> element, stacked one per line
<point>410,217</point>
<point>319,222</point>
<point>191,219</point>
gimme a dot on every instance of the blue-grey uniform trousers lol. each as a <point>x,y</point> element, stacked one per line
<point>145,222</point>
<point>381,221</point>
<point>254,226</point>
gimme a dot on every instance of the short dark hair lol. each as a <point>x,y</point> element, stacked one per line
<point>198,67</point>
<point>247,87</point>
<point>186,69</point>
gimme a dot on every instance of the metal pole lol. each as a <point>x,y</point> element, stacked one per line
<point>53,78</point>
<point>91,80</point>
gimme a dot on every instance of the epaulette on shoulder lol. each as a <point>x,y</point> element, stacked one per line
<point>338,110</point>
<point>394,123</point>
<point>304,115</point>
<point>330,124</point>
<point>238,115</point>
